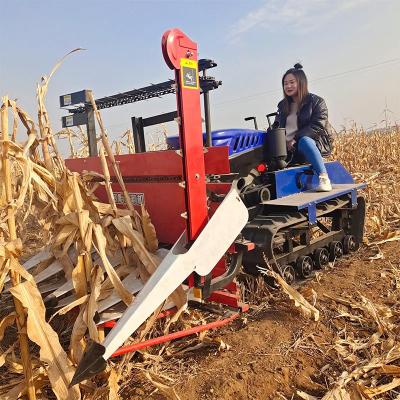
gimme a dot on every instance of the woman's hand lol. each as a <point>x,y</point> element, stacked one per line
<point>290,145</point>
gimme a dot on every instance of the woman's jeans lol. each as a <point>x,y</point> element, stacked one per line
<point>309,151</point>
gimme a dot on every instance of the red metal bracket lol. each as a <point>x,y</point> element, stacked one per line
<point>180,54</point>
<point>229,299</point>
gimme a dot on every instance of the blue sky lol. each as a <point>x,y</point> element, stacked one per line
<point>253,42</point>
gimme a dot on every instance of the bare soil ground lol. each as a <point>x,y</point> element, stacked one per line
<point>275,350</point>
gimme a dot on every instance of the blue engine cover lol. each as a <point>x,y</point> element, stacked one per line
<point>238,140</point>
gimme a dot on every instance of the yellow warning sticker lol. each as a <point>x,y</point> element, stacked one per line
<point>189,74</point>
<point>67,99</point>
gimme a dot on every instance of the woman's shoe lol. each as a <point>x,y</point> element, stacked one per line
<point>324,183</point>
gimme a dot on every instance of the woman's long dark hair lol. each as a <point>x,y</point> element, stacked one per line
<point>302,86</point>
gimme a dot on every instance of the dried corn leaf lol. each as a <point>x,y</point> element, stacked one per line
<point>341,347</point>
<point>67,196</point>
<point>66,263</point>
<point>68,243</point>
<point>299,300</point>
<point>20,270</point>
<point>107,286</point>
<point>26,167</point>
<point>389,370</point>
<point>380,314</point>
<point>89,175</point>
<point>106,221</point>
<point>77,342</point>
<point>64,234</point>
<point>166,390</point>
<point>173,319</point>
<point>46,80</point>
<point>107,181</point>
<point>123,293</point>
<point>44,174</point>
<point>10,384</point>
<point>113,386</point>
<point>337,393</point>
<point>70,219</point>
<point>79,279</point>
<point>372,392</point>
<point>377,256</point>
<point>305,396</point>
<point>14,365</point>
<point>95,285</point>
<point>104,208</point>
<point>4,355</point>
<point>124,225</point>
<point>29,143</point>
<point>70,306</point>
<point>5,267</point>
<point>357,393</point>
<point>39,380</point>
<point>83,215</point>
<point>376,363</point>
<point>222,346</point>
<point>11,248</point>
<point>59,368</point>
<point>40,184</point>
<point>87,240</point>
<point>7,321</point>
<point>149,231</point>
<point>309,294</point>
<point>389,237</point>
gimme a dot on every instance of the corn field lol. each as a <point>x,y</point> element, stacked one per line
<point>373,157</point>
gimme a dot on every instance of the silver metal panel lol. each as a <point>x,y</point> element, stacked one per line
<point>304,199</point>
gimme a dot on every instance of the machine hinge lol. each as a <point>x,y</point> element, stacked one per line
<point>182,184</point>
<point>179,152</point>
<point>205,150</point>
<point>184,215</point>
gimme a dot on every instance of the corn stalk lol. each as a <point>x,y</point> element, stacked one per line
<point>14,275</point>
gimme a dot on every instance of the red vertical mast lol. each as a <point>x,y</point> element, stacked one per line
<point>180,54</point>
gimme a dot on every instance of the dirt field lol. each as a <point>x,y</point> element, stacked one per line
<point>275,351</point>
<point>279,351</point>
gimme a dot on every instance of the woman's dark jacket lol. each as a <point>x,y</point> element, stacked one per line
<point>312,121</point>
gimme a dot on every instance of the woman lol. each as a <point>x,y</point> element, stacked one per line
<point>305,117</point>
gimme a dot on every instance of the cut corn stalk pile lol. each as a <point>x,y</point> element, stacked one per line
<point>97,257</point>
<point>94,256</point>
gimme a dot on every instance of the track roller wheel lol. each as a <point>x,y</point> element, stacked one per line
<point>335,250</point>
<point>349,244</point>
<point>321,257</point>
<point>288,274</point>
<point>304,266</point>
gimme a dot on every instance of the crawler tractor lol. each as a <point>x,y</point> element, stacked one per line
<point>216,208</point>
